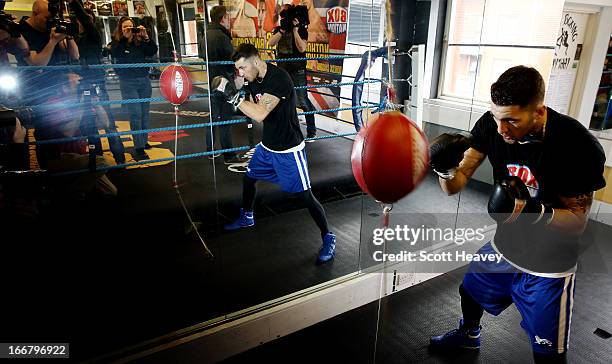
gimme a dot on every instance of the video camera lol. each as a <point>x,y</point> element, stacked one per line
<point>8,117</point>
<point>57,21</point>
<point>299,12</point>
<point>7,24</point>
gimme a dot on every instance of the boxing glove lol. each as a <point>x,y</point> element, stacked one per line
<point>446,151</point>
<point>228,90</point>
<point>511,202</point>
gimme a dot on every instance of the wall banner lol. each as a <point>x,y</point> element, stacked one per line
<point>566,60</point>
<point>254,20</point>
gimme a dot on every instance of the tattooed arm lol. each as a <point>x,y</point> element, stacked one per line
<point>573,217</point>
<point>471,160</point>
<point>259,111</point>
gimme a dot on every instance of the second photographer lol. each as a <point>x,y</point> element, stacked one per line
<point>51,44</point>
<point>93,83</point>
<point>132,45</point>
<point>291,39</point>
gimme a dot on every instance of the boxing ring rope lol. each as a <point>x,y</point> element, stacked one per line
<point>340,97</point>
<point>167,64</point>
<point>190,156</point>
<point>192,97</point>
<point>192,126</point>
<point>113,102</point>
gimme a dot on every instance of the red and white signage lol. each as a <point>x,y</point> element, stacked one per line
<point>337,20</point>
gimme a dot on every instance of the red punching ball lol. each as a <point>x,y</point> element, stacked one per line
<point>390,156</point>
<point>175,84</point>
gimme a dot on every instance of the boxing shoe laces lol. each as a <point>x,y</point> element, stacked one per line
<point>461,338</point>
<point>328,248</point>
<point>245,219</point>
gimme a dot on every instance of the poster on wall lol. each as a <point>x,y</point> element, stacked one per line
<point>120,8</point>
<point>566,60</point>
<point>253,21</point>
<point>160,17</point>
<point>91,6</point>
<point>200,7</point>
<point>137,8</point>
<point>105,8</point>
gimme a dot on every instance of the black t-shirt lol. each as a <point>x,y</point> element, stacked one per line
<point>567,162</point>
<point>281,130</point>
<point>286,48</point>
<point>38,41</point>
<point>41,84</point>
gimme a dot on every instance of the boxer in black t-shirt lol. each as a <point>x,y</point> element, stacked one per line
<point>280,157</point>
<point>546,167</point>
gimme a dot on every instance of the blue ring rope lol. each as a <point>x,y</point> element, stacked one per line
<point>136,132</point>
<point>192,97</point>
<point>188,156</point>
<point>167,64</point>
<point>183,127</point>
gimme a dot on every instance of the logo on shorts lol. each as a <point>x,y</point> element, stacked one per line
<point>544,342</point>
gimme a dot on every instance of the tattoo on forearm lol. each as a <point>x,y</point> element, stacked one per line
<point>268,103</point>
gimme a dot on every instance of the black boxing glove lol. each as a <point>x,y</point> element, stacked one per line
<point>225,87</point>
<point>446,151</point>
<point>511,202</point>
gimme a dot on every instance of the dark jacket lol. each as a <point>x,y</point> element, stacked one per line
<point>89,42</point>
<point>124,52</point>
<point>219,44</point>
<point>13,156</point>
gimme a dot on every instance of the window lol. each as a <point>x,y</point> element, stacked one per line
<point>365,22</point>
<point>365,32</point>
<point>485,37</point>
<point>190,46</point>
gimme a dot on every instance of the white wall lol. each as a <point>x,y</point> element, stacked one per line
<point>589,76</point>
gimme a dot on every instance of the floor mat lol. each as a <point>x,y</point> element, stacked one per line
<point>155,139</point>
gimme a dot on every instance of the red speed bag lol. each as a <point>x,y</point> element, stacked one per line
<point>390,157</point>
<point>175,84</point>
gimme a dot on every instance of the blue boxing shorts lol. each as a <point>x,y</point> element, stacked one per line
<point>545,304</point>
<point>289,168</point>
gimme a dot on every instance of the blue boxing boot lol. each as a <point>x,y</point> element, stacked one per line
<point>328,248</point>
<point>461,338</point>
<point>245,219</point>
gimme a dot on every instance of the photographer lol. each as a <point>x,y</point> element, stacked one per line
<point>47,46</point>
<point>18,188</point>
<point>61,122</point>
<point>93,83</point>
<point>132,45</point>
<point>291,39</point>
<point>219,46</point>
<point>16,193</point>
<point>11,40</point>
